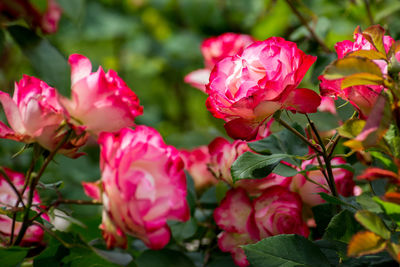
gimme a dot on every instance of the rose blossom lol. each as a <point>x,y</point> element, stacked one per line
<point>279,211</point>
<point>35,114</point>
<point>100,101</point>
<point>235,217</point>
<point>143,186</point>
<point>309,191</point>
<point>215,49</point>
<point>362,97</point>
<point>222,156</point>
<point>196,161</point>
<point>8,199</point>
<point>247,88</point>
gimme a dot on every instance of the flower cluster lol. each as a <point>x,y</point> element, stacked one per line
<point>257,208</point>
<point>138,195</point>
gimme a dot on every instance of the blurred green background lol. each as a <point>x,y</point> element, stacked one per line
<point>153,44</point>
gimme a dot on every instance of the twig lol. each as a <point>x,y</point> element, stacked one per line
<point>331,178</point>
<point>369,13</point>
<point>294,131</point>
<point>7,178</point>
<point>310,30</point>
<point>33,182</point>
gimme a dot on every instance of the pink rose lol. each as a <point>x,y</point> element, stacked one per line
<point>101,102</point>
<point>47,21</point>
<point>279,211</point>
<point>327,105</point>
<point>247,88</point>
<point>8,199</point>
<point>196,162</point>
<point>222,156</point>
<point>309,191</point>
<point>362,97</point>
<point>235,217</point>
<point>143,186</point>
<point>35,114</point>
<point>214,49</point>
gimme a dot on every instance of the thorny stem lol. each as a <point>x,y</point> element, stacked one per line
<point>305,23</point>
<point>32,185</point>
<point>294,131</point>
<point>65,201</point>
<point>27,181</point>
<point>327,159</point>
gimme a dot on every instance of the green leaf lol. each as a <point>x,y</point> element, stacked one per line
<point>253,166</point>
<point>283,142</point>
<point>183,230</point>
<point>342,227</point>
<point>392,137</point>
<point>85,257</point>
<point>347,66</point>
<point>385,160</point>
<point>391,209</point>
<point>47,61</point>
<point>163,258</point>
<point>367,203</point>
<point>372,222</point>
<point>209,196</point>
<point>335,251</point>
<point>11,257</point>
<point>52,255</point>
<point>323,214</point>
<point>338,201</point>
<point>220,191</point>
<point>285,250</point>
<point>285,170</point>
<point>116,255</point>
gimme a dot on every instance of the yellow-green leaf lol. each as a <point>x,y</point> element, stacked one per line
<point>372,222</point>
<point>347,66</point>
<point>374,34</point>
<point>370,54</point>
<point>364,243</point>
<point>351,128</point>
<point>361,79</point>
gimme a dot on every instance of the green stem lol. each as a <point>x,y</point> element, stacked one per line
<point>294,131</point>
<point>32,185</point>
<point>10,183</point>
<point>327,159</point>
<point>305,24</point>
